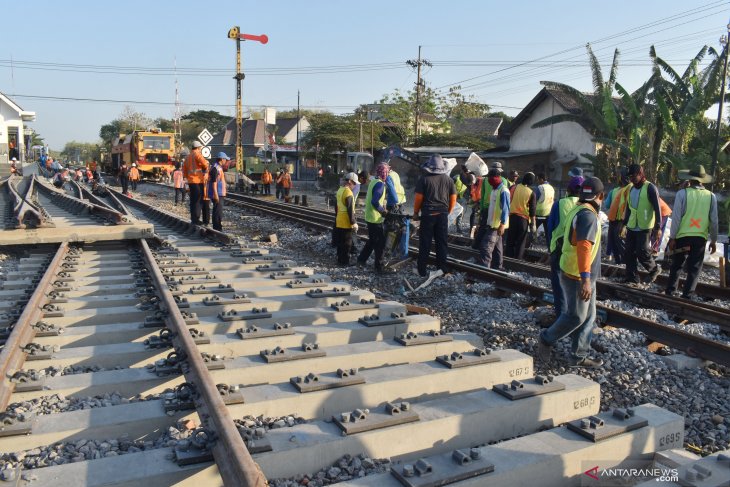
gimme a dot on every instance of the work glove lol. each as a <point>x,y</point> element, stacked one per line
<point>622,232</point>
<point>713,247</point>
<point>533,228</point>
<point>354,227</point>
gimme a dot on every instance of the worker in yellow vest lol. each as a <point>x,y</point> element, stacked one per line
<point>345,221</point>
<point>642,221</point>
<point>580,265</point>
<point>694,217</point>
<point>544,198</point>
<point>495,222</point>
<point>616,204</point>
<point>395,194</point>
<point>554,232</point>
<point>521,216</point>
<point>375,216</point>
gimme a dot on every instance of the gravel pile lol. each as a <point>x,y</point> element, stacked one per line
<point>632,375</point>
<point>83,449</point>
<point>346,468</point>
<point>58,403</point>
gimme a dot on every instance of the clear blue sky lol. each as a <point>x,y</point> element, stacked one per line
<point>126,51</point>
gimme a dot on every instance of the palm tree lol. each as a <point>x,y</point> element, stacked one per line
<point>681,102</point>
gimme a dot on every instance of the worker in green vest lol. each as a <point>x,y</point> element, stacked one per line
<point>554,230</point>
<point>544,196</point>
<point>642,221</point>
<point>580,265</point>
<point>694,217</point>
<point>375,216</point>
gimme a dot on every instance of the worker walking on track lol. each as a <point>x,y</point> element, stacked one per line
<point>266,179</point>
<point>554,230</point>
<point>345,221</point>
<point>642,219</point>
<point>134,176</point>
<point>194,171</point>
<point>435,198</point>
<point>521,216</point>
<point>495,221</point>
<point>544,197</point>
<point>694,217</point>
<point>580,266</point>
<point>616,202</point>
<point>124,178</point>
<point>375,212</point>
<point>217,189</point>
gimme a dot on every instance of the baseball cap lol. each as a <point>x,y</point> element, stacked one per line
<point>591,188</point>
<point>351,176</point>
<point>223,155</point>
<point>196,144</point>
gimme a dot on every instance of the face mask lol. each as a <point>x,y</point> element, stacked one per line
<point>494,181</point>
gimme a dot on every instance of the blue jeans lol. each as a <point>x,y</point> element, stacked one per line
<point>577,321</point>
<point>490,249</point>
<point>558,295</point>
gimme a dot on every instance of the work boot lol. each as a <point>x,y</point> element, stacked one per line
<point>651,277</point>
<point>543,351</point>
<point>587,362</point>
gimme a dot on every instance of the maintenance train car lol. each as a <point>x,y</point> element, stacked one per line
<point>152,150</point>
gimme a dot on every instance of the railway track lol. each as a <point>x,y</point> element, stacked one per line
<point>193,357</point>
<point>691,344</point>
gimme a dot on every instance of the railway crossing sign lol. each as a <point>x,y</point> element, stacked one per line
<point>206,152</point>
<point>205,137</point>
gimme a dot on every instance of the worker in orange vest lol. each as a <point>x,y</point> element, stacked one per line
<point>266,179</point>
<point>134,176</point>
<point>194,171</point>
<point>285,180</point>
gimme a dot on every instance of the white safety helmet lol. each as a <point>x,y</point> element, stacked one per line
<point>134,164</point>
<point>351,176</point>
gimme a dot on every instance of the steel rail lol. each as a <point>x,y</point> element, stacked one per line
<point>170,217</point>
<point>23,210</point>
<point>691,344</point>
<point>12,356</point>
<point>234,462</point>
<point>93,208</point>
<point>682,308</point>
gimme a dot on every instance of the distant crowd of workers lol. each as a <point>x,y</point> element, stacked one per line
<point>506,212</point>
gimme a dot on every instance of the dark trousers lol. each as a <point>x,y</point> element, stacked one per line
<point>376,243</point>
<point>615,242</point>
<point>181,193</point>
<point>205,211</point>
<point>278,191</point>
<point>267,188</point>
<point>638,251</point>
<point>490,249</point>
<point>134,184</point>
<point>218,214</point>
<point>694,258</point>
<point>516,237</point>
<point>558,295</point>
<point>125,184</point>
<point>196,202</point>
<point>433,227</point>
<point>343,237</point>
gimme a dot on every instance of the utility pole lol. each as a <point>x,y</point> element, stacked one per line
<point>235,33</point>
<point>419,84</point>
<point>360,121</point>
<point>725,41</point>
<point>298,162</point>
<point>177,125</point>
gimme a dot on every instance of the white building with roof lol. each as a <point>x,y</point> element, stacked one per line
<point>13,129</point>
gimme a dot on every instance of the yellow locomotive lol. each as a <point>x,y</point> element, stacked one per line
<point>153,151</point>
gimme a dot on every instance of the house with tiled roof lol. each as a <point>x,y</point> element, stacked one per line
<point>561,144</point>
<point>286,129</point>
<point>478,127</point>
